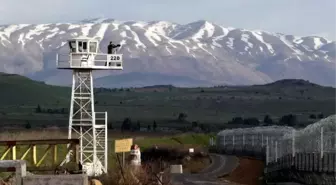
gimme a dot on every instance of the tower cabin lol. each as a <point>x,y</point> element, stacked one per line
<point>84,53</point>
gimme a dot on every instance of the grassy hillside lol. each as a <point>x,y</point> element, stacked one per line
<point>17,89</point>
<point>21,96</point>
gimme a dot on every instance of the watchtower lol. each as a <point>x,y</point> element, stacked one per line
<point>84,123</point>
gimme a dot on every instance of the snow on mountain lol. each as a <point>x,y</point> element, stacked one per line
<point>200,50</point>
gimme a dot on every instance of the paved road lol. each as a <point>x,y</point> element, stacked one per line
<point>220,165</point>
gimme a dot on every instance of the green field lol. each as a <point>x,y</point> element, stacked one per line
<point>163,104</point>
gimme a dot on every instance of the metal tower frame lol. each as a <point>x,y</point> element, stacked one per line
<point>88,126</point>
<point>82,121</point>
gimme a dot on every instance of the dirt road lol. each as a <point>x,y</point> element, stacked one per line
<point>219,166</point>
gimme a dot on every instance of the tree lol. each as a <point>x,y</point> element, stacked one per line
<point>126,125</point>
<point>182,117</point>
<point>154,125</point>
<point>63,111</point>
<point>237,120</point>
<point>312,116</point>
<point>109,125</point>
<point>320,116</point>
<point>148,127</point>
<point>28,125</point>
<point>204,127</point>
<point>251,121</point>
<point>38,109</point>
<point>289,120</point>
<point>268,120</point>
<point>138,125</point>
<point>50,111</point>
<point>194,124</point>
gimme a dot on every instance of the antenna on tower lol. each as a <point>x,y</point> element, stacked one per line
<point>88,126</point>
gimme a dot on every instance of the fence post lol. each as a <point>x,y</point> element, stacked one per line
<point>252,140</point>
<point>293,148</point>
<point>276,151</point>
<point>267,151</point>
<point>293,143</point>
<point>233,140</point>
<point>224,140</point>
<point>243,140</point>
<point>321,142</point>
<point>262,140</point>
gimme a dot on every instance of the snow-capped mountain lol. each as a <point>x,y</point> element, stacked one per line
<point>200,51</point>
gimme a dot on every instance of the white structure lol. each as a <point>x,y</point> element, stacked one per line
<point>176,168</point>
<point>279,141</point>
<point>136,155</point>
<point>86,124</point>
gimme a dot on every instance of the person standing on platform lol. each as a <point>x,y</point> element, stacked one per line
<point>111,47</point>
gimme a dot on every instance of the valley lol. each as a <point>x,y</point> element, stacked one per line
<point>32,103</point>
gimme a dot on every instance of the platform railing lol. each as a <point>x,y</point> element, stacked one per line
<point>90,61</point>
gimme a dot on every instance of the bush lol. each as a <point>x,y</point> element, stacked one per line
<point>268,120</point>
<point>130,176</point>
<point>289,120</point>
<point>251,121</point>
<point>126,125</point>
<point>182,117</point>
<point>312,116</point>
<point>28,125</point>
<point>237,120</point>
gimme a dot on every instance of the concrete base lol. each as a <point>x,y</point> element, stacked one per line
<point>80,179</point>
<point>176,168</point>
<point>17,166</point>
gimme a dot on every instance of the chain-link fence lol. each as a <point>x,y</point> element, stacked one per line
<point>277,142</point>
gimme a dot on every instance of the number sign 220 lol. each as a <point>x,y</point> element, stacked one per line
<point>115,57</point>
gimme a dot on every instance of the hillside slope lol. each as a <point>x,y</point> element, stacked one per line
<point>17,90</point>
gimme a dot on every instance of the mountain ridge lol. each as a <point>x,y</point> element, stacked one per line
<point>199,50</point>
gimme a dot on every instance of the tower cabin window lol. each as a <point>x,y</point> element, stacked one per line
<point>82,46</point>
<point>85,47</point>
<point>72,45</point>
<point>93,47</point>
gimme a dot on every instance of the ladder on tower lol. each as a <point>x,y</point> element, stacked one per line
<point>101,139</point>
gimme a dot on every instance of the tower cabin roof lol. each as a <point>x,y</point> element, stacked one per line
<point>83,38</point>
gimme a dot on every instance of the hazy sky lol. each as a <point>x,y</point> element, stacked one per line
<point>299,17</point>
